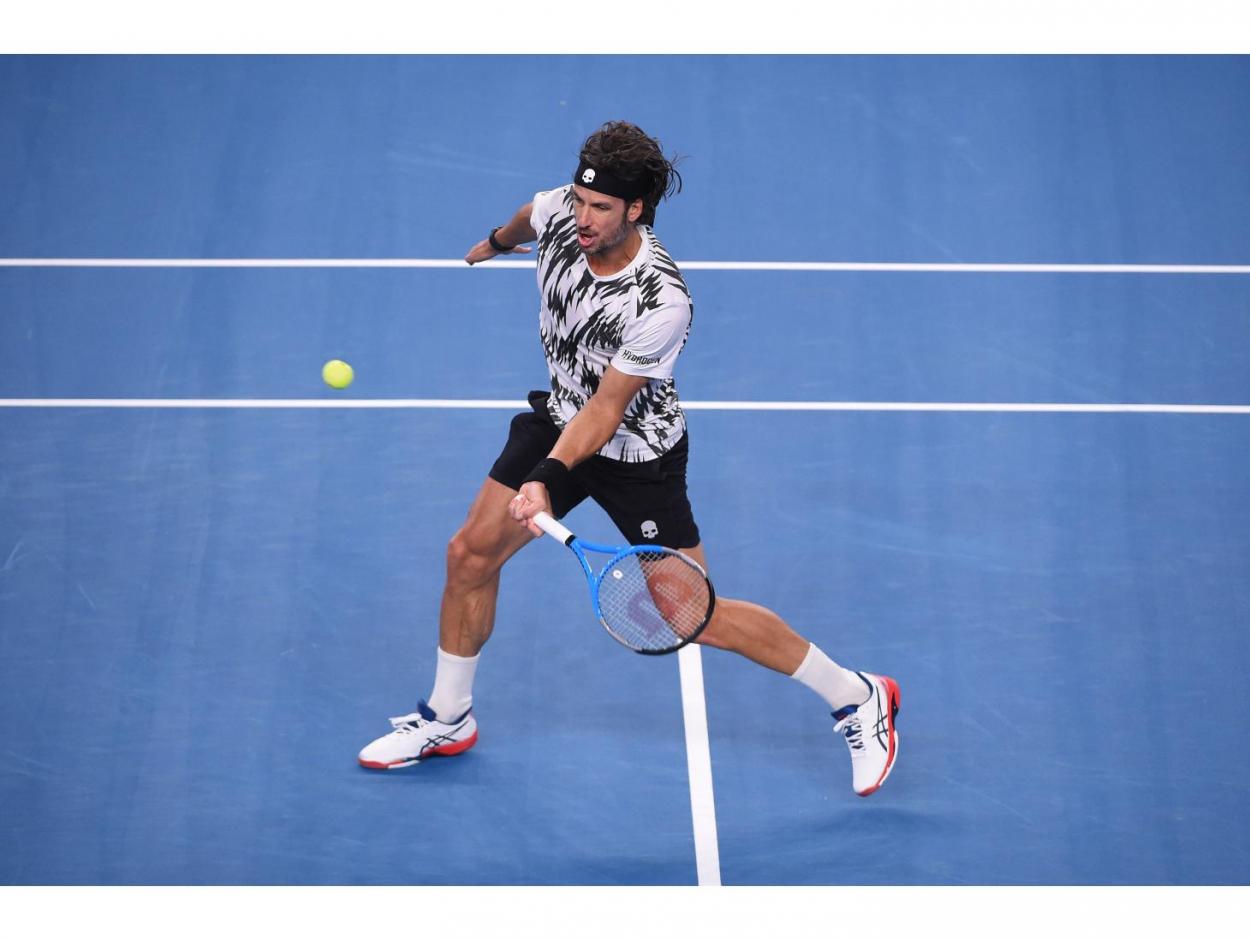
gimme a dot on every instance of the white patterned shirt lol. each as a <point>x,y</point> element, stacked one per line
<point>636,320</point>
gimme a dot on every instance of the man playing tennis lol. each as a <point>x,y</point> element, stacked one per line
<point>615,315</point>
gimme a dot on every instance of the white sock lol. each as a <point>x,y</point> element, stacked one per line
<point>837,686</point>
<point>453,685</point>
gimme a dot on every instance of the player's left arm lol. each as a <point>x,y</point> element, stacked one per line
<point>514,233</point>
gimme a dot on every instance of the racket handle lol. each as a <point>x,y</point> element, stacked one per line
<point>549,525</point>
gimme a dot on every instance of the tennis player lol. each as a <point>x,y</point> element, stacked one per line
<point>615,315</point>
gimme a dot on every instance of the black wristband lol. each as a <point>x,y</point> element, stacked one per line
<point>502,249</point>
<point>554,475</point>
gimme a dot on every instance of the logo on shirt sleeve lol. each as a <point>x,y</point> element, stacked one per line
<point>638,360</point>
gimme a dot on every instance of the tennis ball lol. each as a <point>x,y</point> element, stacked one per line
<point>337,373</point>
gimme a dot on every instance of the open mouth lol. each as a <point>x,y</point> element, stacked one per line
<point>584,240</point>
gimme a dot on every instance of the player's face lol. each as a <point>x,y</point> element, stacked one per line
<point>603,222</point>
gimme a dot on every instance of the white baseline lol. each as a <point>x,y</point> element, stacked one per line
<point>458,263</point>
<point>510,404</point>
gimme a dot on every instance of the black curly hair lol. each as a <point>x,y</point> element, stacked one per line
<point>625,151</point>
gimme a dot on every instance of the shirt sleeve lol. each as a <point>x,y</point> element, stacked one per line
<point>650,344</point>
<point>546,204</point>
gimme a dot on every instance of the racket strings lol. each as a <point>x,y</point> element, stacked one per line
<point>654,600</point>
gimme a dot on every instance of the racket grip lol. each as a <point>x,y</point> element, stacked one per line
<point>553,528</point>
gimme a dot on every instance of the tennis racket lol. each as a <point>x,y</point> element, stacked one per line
<point>652,599</point>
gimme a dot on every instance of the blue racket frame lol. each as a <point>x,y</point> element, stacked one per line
<point>579,547</point>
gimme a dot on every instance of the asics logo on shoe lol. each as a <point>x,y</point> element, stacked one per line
<point>881,731</point>
<point>437,740</point>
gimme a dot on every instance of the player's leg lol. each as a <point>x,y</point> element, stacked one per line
<point>864,705</point>
<point>445,725</point>
<point>476,553</point>
<point>648,502</point>
<point>762,636</point>
<point>753,631</point>
<point>475,556</point>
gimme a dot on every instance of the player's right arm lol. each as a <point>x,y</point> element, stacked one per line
<point>516,233</point>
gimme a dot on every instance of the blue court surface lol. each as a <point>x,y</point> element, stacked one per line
<point>205,612</point>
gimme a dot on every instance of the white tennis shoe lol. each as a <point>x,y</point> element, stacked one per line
<point>418,736</point>
<point>870,734</point>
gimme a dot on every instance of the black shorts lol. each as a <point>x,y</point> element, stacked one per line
<point>646,500</point>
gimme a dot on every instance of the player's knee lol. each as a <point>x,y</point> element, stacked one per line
<point>467,561</point>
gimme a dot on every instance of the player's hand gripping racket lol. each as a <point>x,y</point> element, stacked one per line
<point>652,599</point>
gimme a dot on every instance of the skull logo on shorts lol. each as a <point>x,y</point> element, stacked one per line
<point>650,530</point>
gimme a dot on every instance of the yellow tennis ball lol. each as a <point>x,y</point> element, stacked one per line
<point>337,373</point>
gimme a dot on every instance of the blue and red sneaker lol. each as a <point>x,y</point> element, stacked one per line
<point>870,734</point>
<point>418,736</point>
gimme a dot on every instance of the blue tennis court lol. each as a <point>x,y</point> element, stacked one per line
<point>1022,493</point>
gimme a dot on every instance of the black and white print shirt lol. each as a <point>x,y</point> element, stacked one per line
<point>636,321</point>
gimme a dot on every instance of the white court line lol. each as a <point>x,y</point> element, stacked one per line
<point>509,404</point>
<point>699,765</point>
<point>458,263</point>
